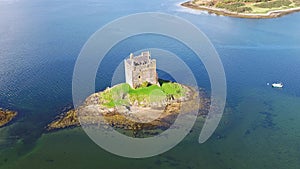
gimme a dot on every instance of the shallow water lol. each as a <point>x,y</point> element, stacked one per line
<point>258,133</point>
<point>40,41</point>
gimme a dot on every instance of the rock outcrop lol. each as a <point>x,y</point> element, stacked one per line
<point>67,119</point>
<point>6,116</point>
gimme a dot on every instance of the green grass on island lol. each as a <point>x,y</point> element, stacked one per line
<point>123,94</point>
<point>248,6</point>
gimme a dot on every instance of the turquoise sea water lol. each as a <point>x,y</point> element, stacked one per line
<point>39,44</point>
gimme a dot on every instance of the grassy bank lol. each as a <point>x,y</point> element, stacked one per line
<point>123,94</point>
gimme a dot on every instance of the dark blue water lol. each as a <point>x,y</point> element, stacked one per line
<point>40,41</point>
<point>119,52</point>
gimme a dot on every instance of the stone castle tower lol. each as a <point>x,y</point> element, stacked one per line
<point>139,69</point>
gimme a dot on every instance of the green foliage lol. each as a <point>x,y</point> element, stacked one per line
<point>274,4</point>
<point>143,90</point>
<point>233,7</point>
<point>142,94</point>
<point>244,9</point>
<point>107,99</point>
<point>123,93</point>
<point>240,5</point>
<point>172,90</point>
<point>115,96</point>
<point>252,1</point>
<point>297,2</point>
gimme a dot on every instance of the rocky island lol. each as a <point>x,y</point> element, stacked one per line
<point>246,8</point>
<point>142,103</point>
<point>6,116</point>
<point>148,107</point>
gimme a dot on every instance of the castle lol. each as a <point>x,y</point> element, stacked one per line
<point>140,69</point>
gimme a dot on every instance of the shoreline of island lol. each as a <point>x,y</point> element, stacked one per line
<point>224,12</point>
<point>114,116</point>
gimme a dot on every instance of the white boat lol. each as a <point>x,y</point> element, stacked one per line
<point>277,85</point>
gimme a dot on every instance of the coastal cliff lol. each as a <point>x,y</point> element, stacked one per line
<point>145,108</point>
<point>6,116</point>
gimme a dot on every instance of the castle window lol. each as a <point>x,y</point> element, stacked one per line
<point>139,77</point>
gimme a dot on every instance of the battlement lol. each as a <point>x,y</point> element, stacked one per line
<point>140,69</point>
<point>142,59</point>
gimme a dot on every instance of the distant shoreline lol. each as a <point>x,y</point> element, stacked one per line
<point>219,11</point>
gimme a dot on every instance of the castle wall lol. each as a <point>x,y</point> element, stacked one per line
<point>144,73</point>
<point>137,74</point>
<point>128,73</point>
